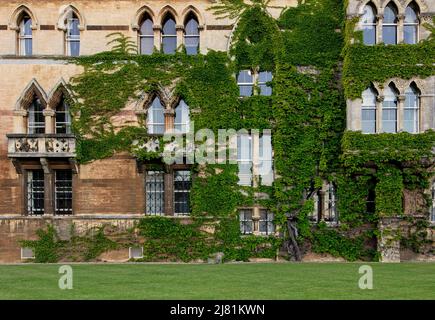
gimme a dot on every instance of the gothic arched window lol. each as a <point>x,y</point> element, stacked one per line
<point>156,117</point>
<point>191,34</point>
<point>63,117</point>
<point>368,111</point>
<point>36,119</point>
<point>411,111</point>
<point>72,36</point>
<point>410,26</point>
<point>169,35</point>
<point>182,117</point>
<point>368,22</point>
<point>389,25</point>
<point>389,110</point>
<point>146,35</point>
<point>25,36</point>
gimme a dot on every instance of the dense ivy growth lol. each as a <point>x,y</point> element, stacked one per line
<point>317,62</point>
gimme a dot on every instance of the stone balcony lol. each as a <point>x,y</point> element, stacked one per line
<point>41,146</point>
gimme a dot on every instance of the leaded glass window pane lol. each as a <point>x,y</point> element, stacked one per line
<point>63,192</point>
<point>35,192</point>
<point>36,120</point>
<point>182,185</point>
<point>263,78</point>
<point>155,192</point>
<point>191,36</point>
<point>182,118</point>
<point>266,225</point>
<point>245,83</point>
<point>246,223</point>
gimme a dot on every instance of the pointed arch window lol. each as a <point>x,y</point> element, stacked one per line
<point>182,117</point>
<point>169,35</point>
<point>146,35</point>
<point>25,36</point>
<point>368,22</point>
<point>156,117</point>
<point>191,34</point>
<point>36,119</point>
<point>72,35</point>
<point>63,117</point>
<point>411,111</point>
<point>389,110</point>
<point>389,26</point>
<point>410,26</point>
<point>368,111</point>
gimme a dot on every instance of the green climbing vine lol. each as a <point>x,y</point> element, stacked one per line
<point>318,62</point>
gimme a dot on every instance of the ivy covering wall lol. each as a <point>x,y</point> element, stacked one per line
<point>315,68</point>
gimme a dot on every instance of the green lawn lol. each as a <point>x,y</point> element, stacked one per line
<point>227,281</point>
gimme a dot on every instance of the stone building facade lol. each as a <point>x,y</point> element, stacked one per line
<point>40,180</point>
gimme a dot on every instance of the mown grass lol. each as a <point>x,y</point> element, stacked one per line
<point>227,281</point>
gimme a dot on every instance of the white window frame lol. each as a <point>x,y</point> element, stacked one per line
<point>71,38</point>
<point>22,37</point>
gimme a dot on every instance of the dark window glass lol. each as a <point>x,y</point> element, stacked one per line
<point>266,222</point>
<point>246,223</point>
<point>73,36</point>
<point>182,184</point>
<point>25,36</point>
<point>63,192</point>
<point>35,192</point>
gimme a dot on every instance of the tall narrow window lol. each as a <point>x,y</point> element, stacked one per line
<point>36,119</point>
<point>389,26</point>
<point>191,35</point>
<point>25,37</point>
<point>368,111</point>
<point>182,184</point>
<point>368,23</point>
<point>155,193</point>
<point>244,159</point>
<point>182,120</point>
<point>263,78</point>
<point>410,26</point>
<point>412,109</point>
<point>35,192</point>
<point>146,35</point>
<point>156,118</point>
<point>63,117</point>
<point>265,169</point>
<point>389,110</point>
<point>266,225</point>
<point>73,36</point>
<point>169,35</point>
<point>245,82</point>
<point>246,223</point>
<point>63,192</point>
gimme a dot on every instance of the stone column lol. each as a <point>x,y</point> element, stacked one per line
<point>169,119</point>
<point>379,101</point>
<point>255,220</point>
<point>400,112</point>
<point>180,35</point>
<point>48,188</point>
<point>400,31</point>
<point>157,36</point>
<point>169,191</point>
<point>255,145</point>
<point>380,20</point>
<point>20,121</point>
<point>49,120</point>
